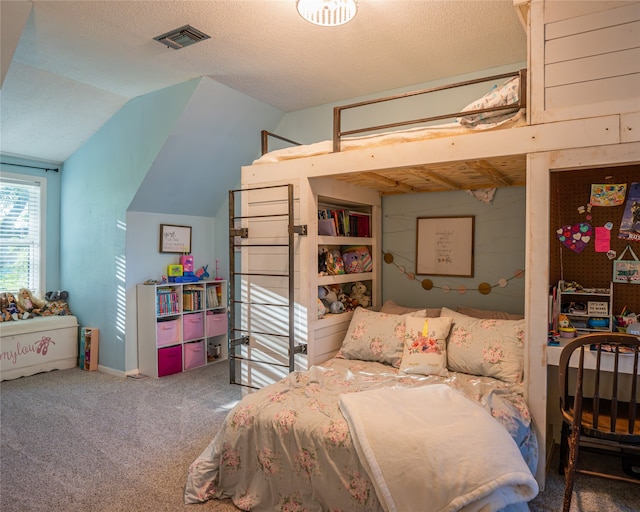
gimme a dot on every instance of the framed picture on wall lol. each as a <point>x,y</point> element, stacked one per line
<point>444,246</point>
<point>175,238</point>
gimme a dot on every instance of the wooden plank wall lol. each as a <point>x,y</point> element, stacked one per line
<point>570,190</point>
<point>591,58</point>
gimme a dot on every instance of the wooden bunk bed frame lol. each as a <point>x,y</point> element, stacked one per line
<point>490,172</point>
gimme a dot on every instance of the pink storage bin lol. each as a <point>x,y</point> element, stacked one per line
<point>193,326</point>
<point>168,332</point>
<point>194,355</point>
<point>169,360</point>
<point>216,324</point>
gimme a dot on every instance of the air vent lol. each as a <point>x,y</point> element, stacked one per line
<point>181,37</point>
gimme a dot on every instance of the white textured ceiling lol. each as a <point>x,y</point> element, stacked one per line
<point>77,62</point>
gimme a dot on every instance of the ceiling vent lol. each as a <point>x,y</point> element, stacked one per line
<point>181,37</point>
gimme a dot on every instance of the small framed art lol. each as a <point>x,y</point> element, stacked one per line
<point>175,238</point>
<point>444,246</point>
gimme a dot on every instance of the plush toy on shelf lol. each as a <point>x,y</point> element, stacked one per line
<point>359,294</point>
<point>30,304</point>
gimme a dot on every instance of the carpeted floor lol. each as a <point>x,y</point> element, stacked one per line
<point>86,441</point>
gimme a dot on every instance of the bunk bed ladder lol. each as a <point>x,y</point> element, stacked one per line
<point>262,285</point>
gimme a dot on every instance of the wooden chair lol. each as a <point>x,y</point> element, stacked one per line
<point>588,411</point>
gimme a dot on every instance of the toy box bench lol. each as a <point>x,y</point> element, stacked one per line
<point>39,344</point>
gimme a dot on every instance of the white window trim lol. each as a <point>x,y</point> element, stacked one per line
<point>42,181</point>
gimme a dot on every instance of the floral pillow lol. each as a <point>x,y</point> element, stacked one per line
<point>498,96</point>
<point>374,336</point>
<point>395,309</point>
<point>425,346</point>
<point>484,346</point>
<point>488,313</point>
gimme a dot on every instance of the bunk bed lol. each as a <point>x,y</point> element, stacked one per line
<point>502,107</point>
<point>304,441</point>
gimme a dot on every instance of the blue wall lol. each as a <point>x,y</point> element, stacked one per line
<point>98,183</point>
<point>499,249</point>
<point>173,152</point>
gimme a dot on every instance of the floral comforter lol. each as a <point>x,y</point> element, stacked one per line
<point>288,447</point>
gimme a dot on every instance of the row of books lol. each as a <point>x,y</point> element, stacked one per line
<point>214,296</point>
<point>192,299</point>
<point>337,222</point>
<point>168,302</point>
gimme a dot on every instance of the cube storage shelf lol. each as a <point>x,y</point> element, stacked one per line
<point>181,326</point>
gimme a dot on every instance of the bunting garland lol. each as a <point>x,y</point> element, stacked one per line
<point>427,284</point>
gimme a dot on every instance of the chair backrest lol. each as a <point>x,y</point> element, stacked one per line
<point>607,414</point>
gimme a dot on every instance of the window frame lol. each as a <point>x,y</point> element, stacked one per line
<point>41,181</point>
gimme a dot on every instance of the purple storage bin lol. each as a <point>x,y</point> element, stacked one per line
<point>194,355</point>
<point>193,326</point>
<point>169,360</point>
<point>216,324</point>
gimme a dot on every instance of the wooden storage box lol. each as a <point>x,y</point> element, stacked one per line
<point>88,353</point>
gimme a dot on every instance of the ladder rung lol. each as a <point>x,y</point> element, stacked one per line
<point>237,329</point>
<point>257,274</point>
<point>260,216</point>
<point>258,303</point>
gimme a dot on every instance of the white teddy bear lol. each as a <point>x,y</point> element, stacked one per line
<point>359,293</point>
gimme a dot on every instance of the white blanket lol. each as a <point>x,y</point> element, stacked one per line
<point>430,448</point>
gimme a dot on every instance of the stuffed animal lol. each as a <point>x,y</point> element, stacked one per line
<point>14,309</point>
<point>359,294</point>
<point>352,262</point>
<point>563,321</point>
<point>336,307</point>
<point>320,309</point>
<point>322,261</point>
<point>4,314</point>
<point>29,303</point>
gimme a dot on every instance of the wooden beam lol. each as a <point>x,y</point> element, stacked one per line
<point>489,171</point>
<point>389,182</point>
<point>434,176</point>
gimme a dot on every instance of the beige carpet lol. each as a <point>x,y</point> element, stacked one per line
<point>86,441</point>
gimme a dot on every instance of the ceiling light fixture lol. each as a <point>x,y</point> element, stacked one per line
<point>327,13</point>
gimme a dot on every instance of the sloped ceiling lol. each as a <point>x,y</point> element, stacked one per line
<point>76,63</point>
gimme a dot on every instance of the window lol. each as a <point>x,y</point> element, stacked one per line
<point>21,233</point>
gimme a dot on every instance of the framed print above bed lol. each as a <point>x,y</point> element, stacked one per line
<point>175,239</point>
<point>444,246</point>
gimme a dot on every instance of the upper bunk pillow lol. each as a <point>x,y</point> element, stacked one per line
<point>375,336</point>
<point>425,346</point>
<point>395,309</point>
<point>488,313</point>
<point>486,347</point>
<point>498,96</point>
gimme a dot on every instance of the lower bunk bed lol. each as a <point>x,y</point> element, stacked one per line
<point>412,410</point>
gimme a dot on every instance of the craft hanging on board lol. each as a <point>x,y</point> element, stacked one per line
<point>630,224</point>
<point>627,271</point>
<point>607,194</point>
<point>576,236</point>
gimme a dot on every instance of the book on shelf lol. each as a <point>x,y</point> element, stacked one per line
<point>340,222</point>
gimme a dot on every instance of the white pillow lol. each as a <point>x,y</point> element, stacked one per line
<point>425,346</point>
<point>498,96</point>
<point>487,347</point>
